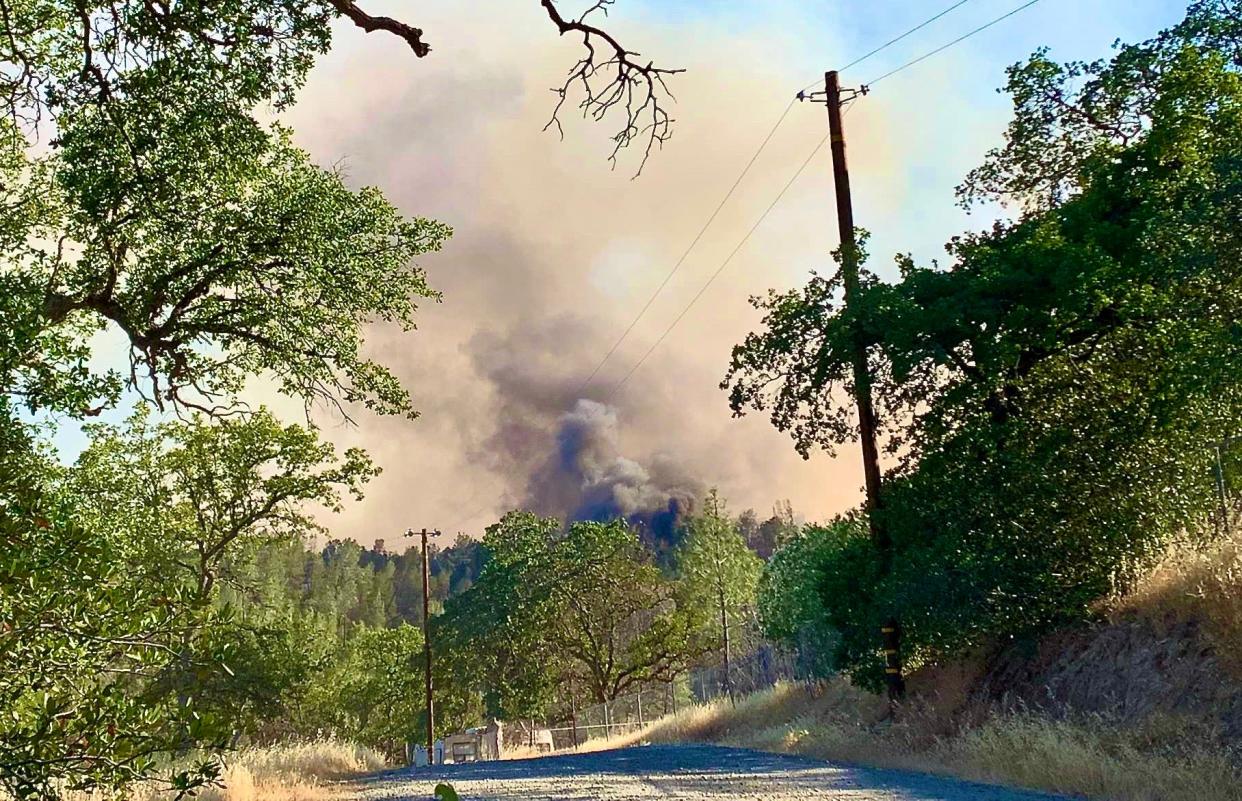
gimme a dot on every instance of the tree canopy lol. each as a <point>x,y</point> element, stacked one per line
<point>1051,400</point>
<point>583,604</point>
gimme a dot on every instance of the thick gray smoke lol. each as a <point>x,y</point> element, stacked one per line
<point>552,255</point>
<point>586,478</point>
<point>563,453</point>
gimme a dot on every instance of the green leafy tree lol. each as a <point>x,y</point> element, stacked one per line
<point>188,500</point>
<point>1051,399</point>
<point>815,563</point>
<point>495,636</point>
<point>552,606</point>
<point>121,602</point>
<point>373,692</point>
<point>719,573</point>
<point>190,495</point>
<point>80,642</point>
<point>619,618</point>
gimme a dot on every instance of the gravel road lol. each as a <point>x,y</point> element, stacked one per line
<point>677,771</point>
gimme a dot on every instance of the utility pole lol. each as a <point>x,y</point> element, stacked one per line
<point>573,713</point>
<point>891,630</point>
<point>431,717</point>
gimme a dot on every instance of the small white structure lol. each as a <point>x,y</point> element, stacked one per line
<point>420,757</point>
<point>528,737</point>
<point>542,741</point>
<point>439,751</point>
<point>464,747</point>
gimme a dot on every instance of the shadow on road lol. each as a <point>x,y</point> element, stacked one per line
<point>678,771</point>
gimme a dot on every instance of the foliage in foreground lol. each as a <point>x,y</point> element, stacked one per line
<point>1054,398</point>
<point>110,578</point>
<point>165,215</point>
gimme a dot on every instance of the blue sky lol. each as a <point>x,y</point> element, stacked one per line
<point>815,36</point>
<point>1074,28</point>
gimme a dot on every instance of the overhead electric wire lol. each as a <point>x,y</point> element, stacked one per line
<point>893,41</point>
<point>677,266</point>
<point>944,47</point>
<point>745,170</point>
<point>719,270</point>
<point>457,526</point>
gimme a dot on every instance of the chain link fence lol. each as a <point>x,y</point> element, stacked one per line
<point>762,667</point>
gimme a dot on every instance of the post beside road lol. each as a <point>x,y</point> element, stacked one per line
<point>431,724</point>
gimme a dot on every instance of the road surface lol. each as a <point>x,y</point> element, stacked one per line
<point>699,772</point>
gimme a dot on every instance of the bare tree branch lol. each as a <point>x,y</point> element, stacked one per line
<point>412,36</point>
<point>614,80</point>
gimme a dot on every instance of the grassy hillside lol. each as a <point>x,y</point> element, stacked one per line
<point>1145,704</point>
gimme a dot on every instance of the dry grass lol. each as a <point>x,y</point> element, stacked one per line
<point>840,722</point>
<point>296,771</point>
<point>1087,759</point>
<point>1199,584</point>
<point>293,771</point>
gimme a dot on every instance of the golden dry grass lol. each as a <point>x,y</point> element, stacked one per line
<point>1201,584</point>
<point>300,771</point>
<point>295,771</point>
<point>839,722</point>
<point>1085,759</point>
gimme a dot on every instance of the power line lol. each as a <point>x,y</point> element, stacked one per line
<point>959,39</point>
<point>669,276</point>
<point>695,241</point>
<point>457,526</point>
<point>893,41</point>
<point>719,269</point>
<point>745,170</point>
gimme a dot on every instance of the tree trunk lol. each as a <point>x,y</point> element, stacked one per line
<point>724,625</point>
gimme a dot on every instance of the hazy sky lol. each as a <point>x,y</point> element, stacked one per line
<point>554,252</point>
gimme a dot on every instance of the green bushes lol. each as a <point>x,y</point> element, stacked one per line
<point>1054,399</point>
<point>806,587</point>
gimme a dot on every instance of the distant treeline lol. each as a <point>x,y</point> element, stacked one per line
<point>378,587</point>
<point>354,585</point>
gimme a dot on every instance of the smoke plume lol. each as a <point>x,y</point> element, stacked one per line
<point>586,478</point>
<point>553,253</point>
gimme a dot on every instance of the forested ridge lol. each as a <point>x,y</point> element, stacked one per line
<point>1059,404</point>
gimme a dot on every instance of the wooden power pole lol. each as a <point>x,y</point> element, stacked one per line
<point>890,631</point>
<point>431,717</point>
